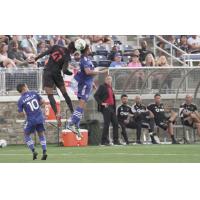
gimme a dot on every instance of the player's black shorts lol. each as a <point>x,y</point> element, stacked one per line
<point>163,124</point>
<point>52,78</point>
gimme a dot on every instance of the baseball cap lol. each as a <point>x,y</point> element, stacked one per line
<point>117,55</point>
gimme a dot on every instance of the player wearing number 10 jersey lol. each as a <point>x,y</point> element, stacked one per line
<point>29,103</point>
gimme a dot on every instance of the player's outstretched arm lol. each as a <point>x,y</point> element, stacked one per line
<point>47,52</point>
<point>94,72</point>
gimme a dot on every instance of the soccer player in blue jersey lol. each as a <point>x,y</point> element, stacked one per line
<point>85,79</point>
<point>29,104</point>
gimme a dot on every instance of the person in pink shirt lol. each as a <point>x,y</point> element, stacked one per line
<point>135,61</point>
<point>139,74</point>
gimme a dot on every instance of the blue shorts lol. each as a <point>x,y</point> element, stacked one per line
<point>30,127</point>
<point>84,91</point>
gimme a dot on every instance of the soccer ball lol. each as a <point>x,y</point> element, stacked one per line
<point>3,143</point>
<point>80,44</point>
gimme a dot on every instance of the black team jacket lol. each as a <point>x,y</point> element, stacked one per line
<point>101,95</point>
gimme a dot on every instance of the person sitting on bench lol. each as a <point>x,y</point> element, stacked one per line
<point>189,114</point>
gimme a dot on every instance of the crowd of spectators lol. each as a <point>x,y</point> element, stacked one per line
<point>16,50</point>
<point>188,43</point>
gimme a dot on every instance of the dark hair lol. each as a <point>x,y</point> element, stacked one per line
<point>71,47</point>
<point>20,87</point>
<point>124,95</point>
<point>157,95</point>
<point>85,49</point>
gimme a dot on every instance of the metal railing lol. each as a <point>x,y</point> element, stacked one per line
<point>148,80</point>
<point>172,48</point>
<point>145,80</point>
<point>9,78</point>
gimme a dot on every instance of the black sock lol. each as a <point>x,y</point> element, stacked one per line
<point>44,151</point>
<point>172,136</point>
<point>52,103</point>
<point>69,102</point>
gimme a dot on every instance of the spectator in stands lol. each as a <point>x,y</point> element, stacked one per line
<point>126,119</point>
<point>162,61</point>
<point>194,44</point>
<point>105,98</point>
<point>15,38</point>
<point>144,51</point>
<point>189,114</point>
<point>17,55</point>
<point>149,61</point>
<point>135,62</point>
<point>59,40</point>
<point>183,45</point>
<point>29,45</point>
<point>160,75</point>
<point>118,61</point>
<point>41,48</point>
<point>4,38</point>
<point>164,116</point>
<point>100,39</point>
<point>4,60</point>
<point>114,50</point>
<point>139,75</point>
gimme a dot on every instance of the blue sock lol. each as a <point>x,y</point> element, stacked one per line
<point>43,143</point>
<point>77,115</point>
<point>29,142</point>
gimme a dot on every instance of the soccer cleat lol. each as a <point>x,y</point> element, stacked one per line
<point>117,143</point>
<point>153,140</point>
<point>138,142</point>
<point>74,129</point>
<point>58,118</point>
<point>35,154</point>
<point>44,157</point>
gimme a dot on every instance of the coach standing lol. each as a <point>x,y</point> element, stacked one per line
<point>105,98</point>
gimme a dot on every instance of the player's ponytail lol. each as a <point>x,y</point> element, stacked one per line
<point>85,49</point>
<point>71,47</point>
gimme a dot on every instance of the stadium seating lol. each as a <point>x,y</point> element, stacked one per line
<point>101,60</point>
<point>99,49</point>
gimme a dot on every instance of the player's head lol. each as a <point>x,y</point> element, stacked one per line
<point>22,87</point>
<point>157,98</point>
<point>86,51</point>
<point>108,80</point>
<point>188,99</point>
<point>124,98</point>
<point>71,47</point>
<point>138,100</point>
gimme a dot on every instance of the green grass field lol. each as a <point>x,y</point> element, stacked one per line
<point>113,154</point>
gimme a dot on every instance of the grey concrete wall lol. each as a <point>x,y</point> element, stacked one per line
<point>13,132</point>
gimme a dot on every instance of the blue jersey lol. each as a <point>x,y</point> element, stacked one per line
<point>30,103</point>
<point>81,76</point>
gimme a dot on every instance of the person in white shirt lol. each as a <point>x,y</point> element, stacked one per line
<point>194,44</point>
